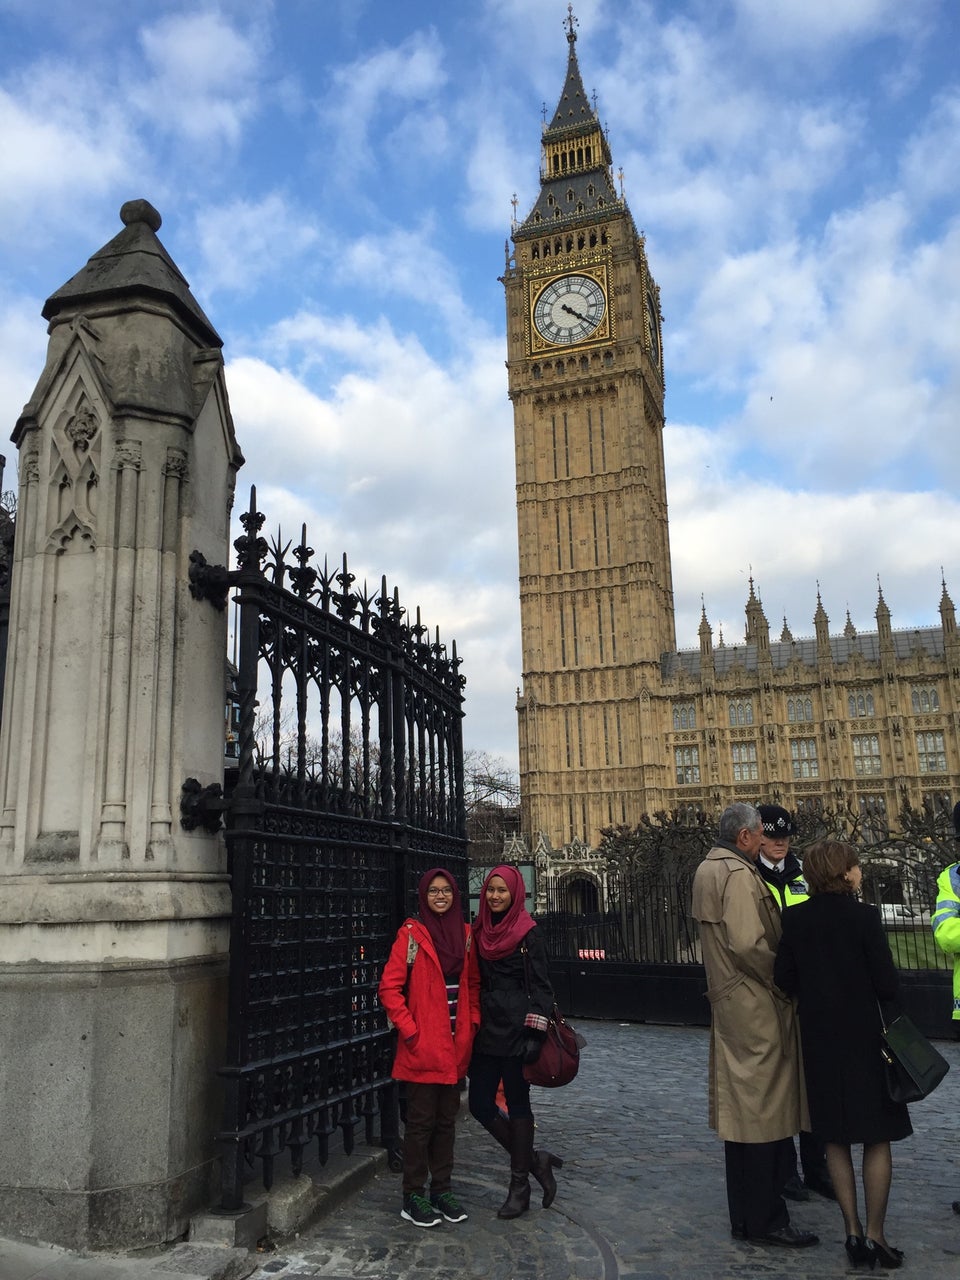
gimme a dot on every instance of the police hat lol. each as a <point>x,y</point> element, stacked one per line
<point>956,818</point>
<point>777,822</point>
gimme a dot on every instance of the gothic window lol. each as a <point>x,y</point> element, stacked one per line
<point>925,700</point>
<point>593,239</point>
<point>873,814</point>
<point>591,191</point>
<point>599,202</point>
<point>860,705</point>
<point>603,234</point>
<point>688,765</point>
<point>937,802</point>
<point>587,152</point>
<point>556,164</point>
<point>740,711</point>
<point>536,217</point>
<point>546,248</point>
<point>866,754</point>
<point>809,804</point>
<point>580,155</point>
<point>550,201</point>
<point>931,752</point>
<point>684,715</point>
<point>569,244</point>
<point>799,709</point>
<point>803,756</point>
<point>536,373</point>
<point>535,251</point>
<point>569,195</point>
<point>608,358</point>
<point>584,364</point>
<point>557,216</point>
<point>581,238</point>
<point>558,243</point>
<point>744,761</point>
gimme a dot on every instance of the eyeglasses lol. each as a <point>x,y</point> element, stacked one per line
<point>439,893</point>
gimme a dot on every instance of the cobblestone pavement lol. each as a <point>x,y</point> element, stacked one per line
<point>641,1191</point>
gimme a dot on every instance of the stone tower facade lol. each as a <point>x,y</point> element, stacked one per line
<point>586,381</point>
<point>614,721</point>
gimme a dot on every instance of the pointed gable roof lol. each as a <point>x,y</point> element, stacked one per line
<point>134,264</point>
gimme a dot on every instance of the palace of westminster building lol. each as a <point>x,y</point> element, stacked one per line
<point>614,721</point>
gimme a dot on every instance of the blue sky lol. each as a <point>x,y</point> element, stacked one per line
<point>335,180</point>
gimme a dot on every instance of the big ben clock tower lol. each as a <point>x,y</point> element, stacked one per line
<point>596,596</point>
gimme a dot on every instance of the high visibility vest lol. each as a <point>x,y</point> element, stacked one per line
<point>788,890</point>
<point>795,891</point>
<point>945,923</point>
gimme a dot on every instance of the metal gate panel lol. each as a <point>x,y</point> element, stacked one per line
<point>349,785</point>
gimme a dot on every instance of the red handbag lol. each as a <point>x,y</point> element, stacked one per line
<point>559,1059</point>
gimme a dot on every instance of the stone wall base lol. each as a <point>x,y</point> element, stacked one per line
<point>109,1099</point>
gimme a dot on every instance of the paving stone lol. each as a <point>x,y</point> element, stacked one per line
<point>641,1191</point>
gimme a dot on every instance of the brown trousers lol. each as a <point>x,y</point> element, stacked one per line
<point>429,1135</point>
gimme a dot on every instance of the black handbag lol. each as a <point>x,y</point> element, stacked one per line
<point>912,1067</point>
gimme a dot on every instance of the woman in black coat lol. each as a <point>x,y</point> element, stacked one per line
<point>516,1000</point>
<point>834,957</point>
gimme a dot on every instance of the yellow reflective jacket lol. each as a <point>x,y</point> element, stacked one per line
<point>945,923</point>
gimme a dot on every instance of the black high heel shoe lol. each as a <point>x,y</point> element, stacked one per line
<point>858,1253</point>
<point>884,1254</point>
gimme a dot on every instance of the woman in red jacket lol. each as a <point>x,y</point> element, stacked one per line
<point>430,990</point>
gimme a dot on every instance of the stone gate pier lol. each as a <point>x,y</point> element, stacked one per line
<point>113,917</point>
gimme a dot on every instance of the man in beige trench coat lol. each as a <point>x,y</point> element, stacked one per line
<point>757,1096</point>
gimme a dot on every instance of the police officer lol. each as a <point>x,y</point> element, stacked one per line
<point>782,871</point>
<point>945,923</point>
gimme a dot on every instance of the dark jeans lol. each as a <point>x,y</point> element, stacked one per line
<point>428,1136</point>
<point>486,1072</point>
<point>756,1171</point>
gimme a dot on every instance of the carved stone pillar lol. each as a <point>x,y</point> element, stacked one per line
<point>113,919</point>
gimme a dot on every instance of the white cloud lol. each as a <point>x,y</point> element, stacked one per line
<point>728,522</point>
<point>203,76</point>
<point>61,146</point>
<point>407,76</point>
<point>244,241</point>
<point>819,25</point>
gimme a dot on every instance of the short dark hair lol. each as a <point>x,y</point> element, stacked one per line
<point>825,865</point>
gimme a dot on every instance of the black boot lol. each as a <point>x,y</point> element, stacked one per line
<point>544,1163</point>
<point>521,1159</point>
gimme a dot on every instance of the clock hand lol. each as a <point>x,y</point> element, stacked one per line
<point>570,312</point>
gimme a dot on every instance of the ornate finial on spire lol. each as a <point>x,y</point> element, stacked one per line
<point>620,176</point>
<point>543,113</point>
<point>514,202</point>
<point>593,101</point>
<point>571,23</point>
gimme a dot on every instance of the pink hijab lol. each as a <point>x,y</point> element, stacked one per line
<point>499,938</point>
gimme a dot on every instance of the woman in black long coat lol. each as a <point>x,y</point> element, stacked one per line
<point>834,957</point>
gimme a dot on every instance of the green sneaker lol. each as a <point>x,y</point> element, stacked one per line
<point>419,1211</point>
<point>449,1206</point>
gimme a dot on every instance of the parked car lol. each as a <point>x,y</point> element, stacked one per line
<point>898,913</point>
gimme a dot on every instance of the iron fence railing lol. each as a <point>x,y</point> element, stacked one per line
<point>648,920</point>
<point>348,786</point>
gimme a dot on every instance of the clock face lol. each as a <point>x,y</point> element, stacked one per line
<point>654,330</point>
<point>569,309</point>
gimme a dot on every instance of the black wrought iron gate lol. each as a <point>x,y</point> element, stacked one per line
<point>349,786</point>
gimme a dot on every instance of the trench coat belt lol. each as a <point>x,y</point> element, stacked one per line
<point>780,1006</point>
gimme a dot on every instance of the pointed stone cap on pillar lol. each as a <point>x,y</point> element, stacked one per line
<point>133,264</point>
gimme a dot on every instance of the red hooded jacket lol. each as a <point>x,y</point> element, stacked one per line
<point>438,1056</point>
